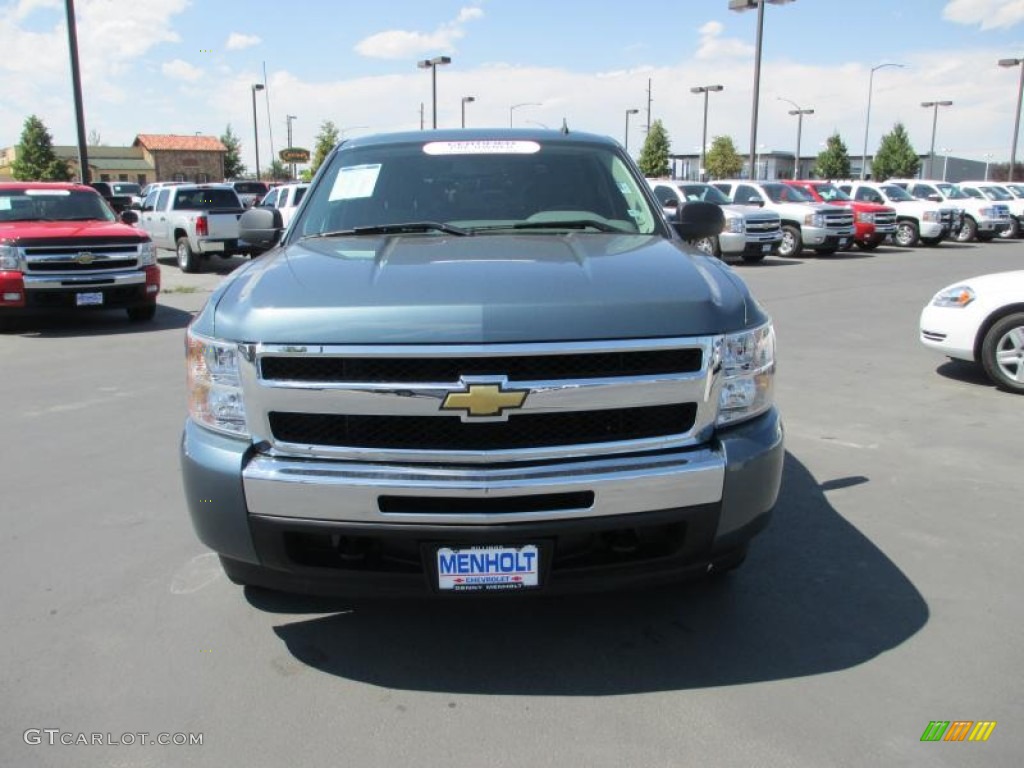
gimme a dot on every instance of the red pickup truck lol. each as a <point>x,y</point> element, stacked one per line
<point>61,247</point>
<point>873,222</point>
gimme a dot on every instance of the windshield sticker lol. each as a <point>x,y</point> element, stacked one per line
<point>48,192</point>
<point>481,148</point>
<point>355,182</point>
<point>5,203</point>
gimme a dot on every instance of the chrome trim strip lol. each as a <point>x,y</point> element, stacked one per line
<point>56,281</point>
<point>349,492</point>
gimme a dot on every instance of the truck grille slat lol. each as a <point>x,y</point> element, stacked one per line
<point>446,433</point>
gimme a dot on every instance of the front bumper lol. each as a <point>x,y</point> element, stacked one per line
<point>350,528</point>
<point>119,290</point>
<point>739,243</point>
<point>816,237</point>
<point>951,330</point>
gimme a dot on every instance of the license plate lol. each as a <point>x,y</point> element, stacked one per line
<point>487,569</point>
<point>766,248</point>
<point>88,299</point>
<point>213,246</point>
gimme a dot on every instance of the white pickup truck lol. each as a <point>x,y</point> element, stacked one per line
<point>982,219</point>
<point>194,221</point>
<point>916,220</point>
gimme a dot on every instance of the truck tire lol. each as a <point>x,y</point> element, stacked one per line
<point>907,234</point>
<point>792,242</point>
<point>1012,232</point>
<point>709,245</point>
<point>968,232</point>
<point>187,259</point>
<point>1002,353</point>
<point>143,314</point>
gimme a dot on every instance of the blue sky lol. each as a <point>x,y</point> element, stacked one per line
<point>182,66</point>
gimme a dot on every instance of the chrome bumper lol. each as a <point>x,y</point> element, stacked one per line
<point>97,279</point>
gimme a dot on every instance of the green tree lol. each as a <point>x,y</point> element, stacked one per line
<point>834,160</point>
<point>325,141</point>
<point>278,171</point>
<point>654,156</point>
<point>895,156</point>
<point>35,159</point>
<point>233,167</point>
<point>722,161</point>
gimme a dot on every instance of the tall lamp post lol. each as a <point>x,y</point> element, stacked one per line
<point>988,159</point>
<point>705,89</point>
<point>934,106</point>
<point>945,160</point>
<point>255,128</point>
<point>1016,119</point>
<point>628,113</point>
<point>867,120</point>
<point>514,107</point>
<point>799,112</point>
<point>745,5</point>
<point>288,119</point>
<point>466,100</point>
<point>432,65</point>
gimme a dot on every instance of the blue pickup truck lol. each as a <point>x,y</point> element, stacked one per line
<point>480,361</point>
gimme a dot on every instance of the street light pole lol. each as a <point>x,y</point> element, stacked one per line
<point>288,119</point>
<point>628,113</point>
<point>1016,119</point>
<point>432,65</point>
<point>705,89</point>
<point>466,100</point>
<point>867,120</point>
<point>255,128</point>
<point>514,107</point>
<point>934,105</point>
<point>945,160</point>
<point>988,159</point>
<point>799,112</point>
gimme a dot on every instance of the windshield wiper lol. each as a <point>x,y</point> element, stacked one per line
<point>395,229</point>
<point>600,226</point>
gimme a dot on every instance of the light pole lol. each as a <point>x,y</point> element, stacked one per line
<point>628,113</point>
<point>934,105</point>
<point>255,128</point>
<point>432,65</point>
<point>514,107</point>
<point>288,119</point>
<point>744,5</point>
<point>1016,119</point>
<point>466,100</point>
<point>799,112</point>
<point>705,89</point>
<point>988,159</point>
<point>757,171</point>
<point>867,120</point>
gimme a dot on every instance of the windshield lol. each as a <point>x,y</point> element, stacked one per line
<point>897,194</point>
<point>783,193</point>
<point>53,205</point>
<point>1017,189</point>
<point>703,192</point>
<point>951,192</point>
<point>205,199</point>
<point>475,186</point>
<point>996,193</point>
<point>830,192</point>
<point>251,188</point>
<point>125,188</point>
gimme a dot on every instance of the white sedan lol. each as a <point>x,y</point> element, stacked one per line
<point>981,320</point>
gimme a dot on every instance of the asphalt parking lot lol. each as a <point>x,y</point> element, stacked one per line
<point>884,595</point>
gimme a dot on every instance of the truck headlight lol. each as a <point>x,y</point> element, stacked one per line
<point>147,254</point>
<point>735,224</point>
<point>954,296</point>
<point>930,216</point>
<point>987,213</point>
<point>748,369</point>
<point>814,220</point>
<point>866,218</point>
<point>8,257</point>
<point>214,385</point>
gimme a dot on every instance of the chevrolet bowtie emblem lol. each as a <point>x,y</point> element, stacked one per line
<point>484,400</point>
<point>84,258</point>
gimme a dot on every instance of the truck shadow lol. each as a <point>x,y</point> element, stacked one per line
<point>815,596</point>
<point>71,324</point>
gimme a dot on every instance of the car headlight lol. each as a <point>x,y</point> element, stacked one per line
<point>866,218</point>
<point>147,254</point>
<point>930,216</point>
<point>214,385</point>
<point>8,257</point>
<point>748,370</point>
<point>735,225</point>
<point>954,296</point>
<point>814,220</point>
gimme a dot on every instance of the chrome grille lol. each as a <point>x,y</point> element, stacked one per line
<point>885,219</point>
<point>81,257</point>
<point>764,225</point>
<point>839,220</point>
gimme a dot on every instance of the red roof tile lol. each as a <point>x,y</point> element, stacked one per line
<point>158,141</point>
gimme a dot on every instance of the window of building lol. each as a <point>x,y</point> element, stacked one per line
<point>122,177</point>
<point>141,179</point>
<point>104,177</point>
<point>202,178</point>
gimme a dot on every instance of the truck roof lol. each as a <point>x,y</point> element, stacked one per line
<point>479,134</point>
<point>69,185</point>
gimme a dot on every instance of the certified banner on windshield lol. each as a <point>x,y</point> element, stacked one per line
<point>485,569</point>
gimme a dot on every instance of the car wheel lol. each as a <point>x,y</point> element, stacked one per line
<point>968,231</point>
<point>931,240</point>
<point>792,242</point>
<point>1002,353</point>
<point>142,314</point>
<point>906,234</point>
<point>1012,231</point>
<point>187,259</point>
<point>708,245</point>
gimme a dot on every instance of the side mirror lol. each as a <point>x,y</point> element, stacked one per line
<point>935,197</point>
<point>129,217</point>
<point>261,227</point>
<point>697,220</point>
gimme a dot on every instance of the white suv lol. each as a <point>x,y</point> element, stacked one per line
<point>982,220</point>
<point>916,220</point>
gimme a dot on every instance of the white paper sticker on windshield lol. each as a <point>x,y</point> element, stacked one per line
<point>48,192</point>
<point>354,182</point>
<point>481,147</point>
<point>5,203</point>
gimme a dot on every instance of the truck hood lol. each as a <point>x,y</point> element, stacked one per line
<point>441,289</point>
<point>863,207</point>
<point>750,214</point>
<point>28,232</point>
<point>799,210</point>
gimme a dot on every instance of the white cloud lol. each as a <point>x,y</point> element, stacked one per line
<point>237,41</point>
<point>714,46</point>
<point>988,14</point>
<point>26,7</point>
<point>181,70</point>
<point>402,44</point>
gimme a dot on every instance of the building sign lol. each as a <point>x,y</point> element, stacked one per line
<point>294,155</point>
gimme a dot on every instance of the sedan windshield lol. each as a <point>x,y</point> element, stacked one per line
<point>896,194</point>
<point>524,186</point>
<point>703,192</point>
<point>53,205</point>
